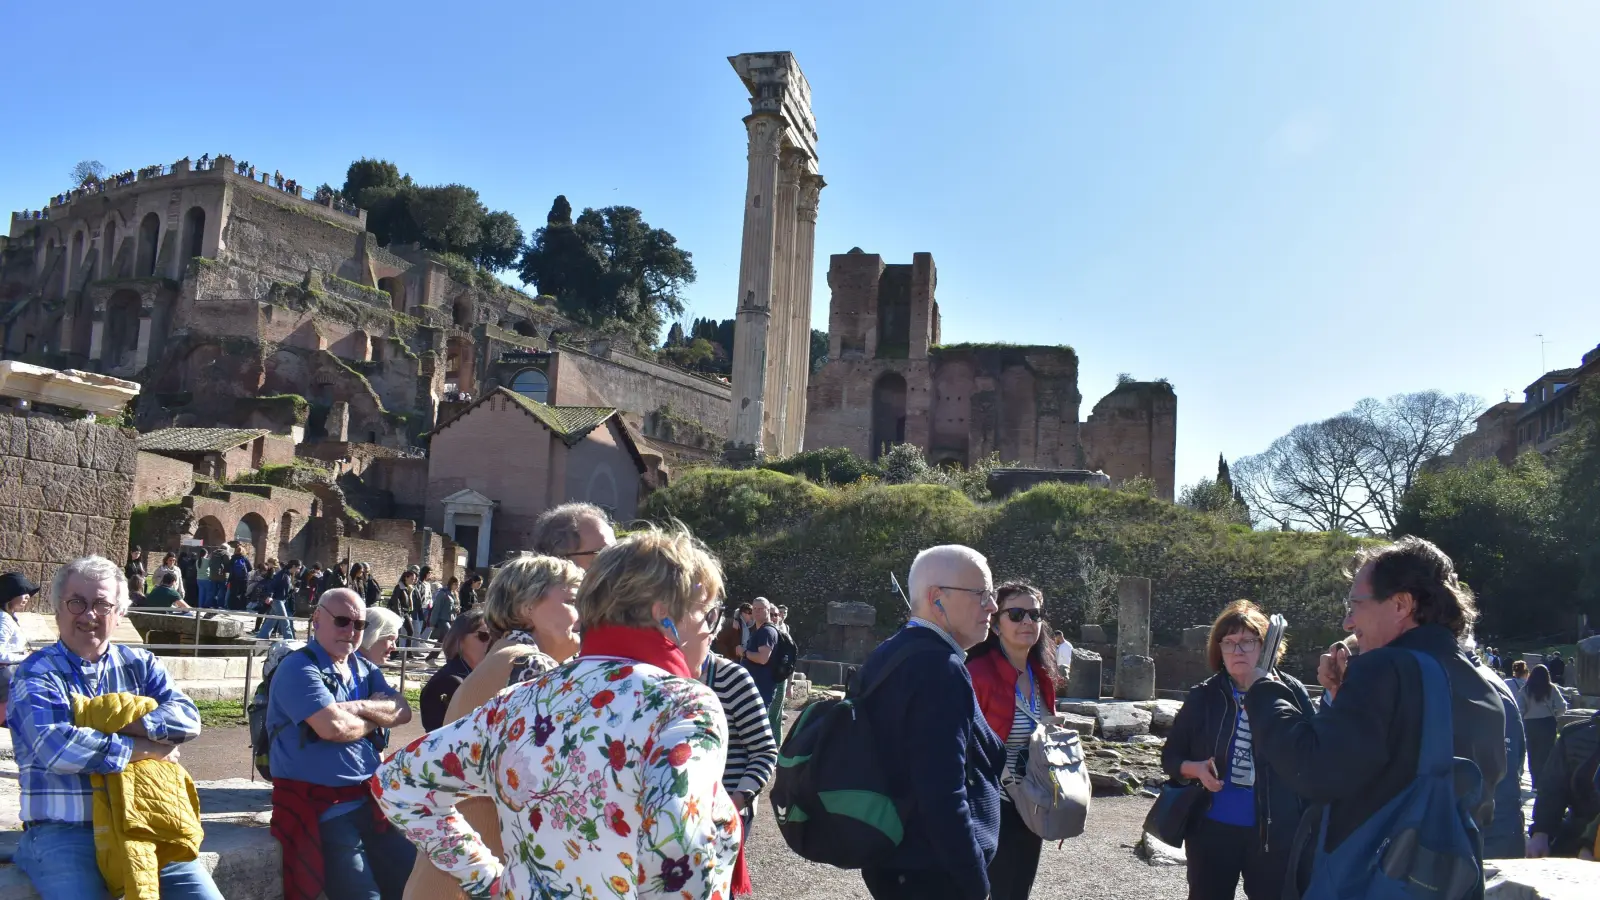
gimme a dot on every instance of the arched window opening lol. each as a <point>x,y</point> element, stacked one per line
<point>194,233</point>
<point>888,413</point>
<point>533,384</point>
<point>149,237</point>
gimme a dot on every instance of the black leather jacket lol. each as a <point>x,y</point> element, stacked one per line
<point>1204,729</point>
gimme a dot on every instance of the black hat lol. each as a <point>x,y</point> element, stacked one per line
<point>14,585</point>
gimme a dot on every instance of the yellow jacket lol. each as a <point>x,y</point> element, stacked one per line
<point>145,817</point>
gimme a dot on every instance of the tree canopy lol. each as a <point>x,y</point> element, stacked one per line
<point>609,267</point>
<point>449,218</point>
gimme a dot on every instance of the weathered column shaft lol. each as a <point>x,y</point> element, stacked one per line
<point>141,353</point>
<point>804,263</point>
<point>1133,616</point>
<point>755,281</point>
<point>780,386</point>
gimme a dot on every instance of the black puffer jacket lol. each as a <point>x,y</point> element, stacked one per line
<point>1204,728</point>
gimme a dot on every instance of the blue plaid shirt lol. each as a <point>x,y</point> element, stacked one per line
<point>56,758</point>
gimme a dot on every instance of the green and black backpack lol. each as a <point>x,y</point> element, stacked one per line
<point>831,796</point>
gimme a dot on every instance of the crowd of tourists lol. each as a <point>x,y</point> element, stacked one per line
<point>604,725</point>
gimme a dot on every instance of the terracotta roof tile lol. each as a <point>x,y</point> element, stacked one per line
<point>197,440</point>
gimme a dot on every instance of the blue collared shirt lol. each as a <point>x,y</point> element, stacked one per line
<point>54,757</point>
<point>299,691</point>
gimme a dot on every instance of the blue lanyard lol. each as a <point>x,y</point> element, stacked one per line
<point>1033,693</point>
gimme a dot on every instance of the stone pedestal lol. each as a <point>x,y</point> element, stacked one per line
<point>1086,675</point>
<point>1136,678</point>
<point>1196,637</point>
<point>1091,634</point>
<point>1587,678</point>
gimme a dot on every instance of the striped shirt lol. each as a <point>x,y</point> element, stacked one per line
<point>55,758</point>
<point>752,753</point>
<point>1024,719</point>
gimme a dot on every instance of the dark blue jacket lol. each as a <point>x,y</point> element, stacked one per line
<point>943,758</point>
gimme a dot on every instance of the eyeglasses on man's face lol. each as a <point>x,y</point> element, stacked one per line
<point>985,595</point>
<point>347,622</point>
<point>78,606</point>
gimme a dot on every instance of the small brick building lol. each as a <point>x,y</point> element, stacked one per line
<point>504,460</point>
<point>888,380</point>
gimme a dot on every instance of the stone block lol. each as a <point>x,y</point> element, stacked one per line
<point>852,614</point>
<point>1162,712</point>
<point>1085,675</point>
<point>822,671</point>
<point>1083,725</point>
<point>13,436</point>
<point>1088,708</point>
<point>35,473</point>
<point>1133,617</point>
<point>1135,678</point>
<point>1587,678</point>
<point>1196,637</point>
<point>1091,634</point>
<point>1121,721</point>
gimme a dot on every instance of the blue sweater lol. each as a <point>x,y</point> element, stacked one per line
<point>943,757</point>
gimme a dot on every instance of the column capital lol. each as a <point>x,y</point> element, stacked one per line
<point>792,167</point>
<point>810,193</point>
<point>766,134</point>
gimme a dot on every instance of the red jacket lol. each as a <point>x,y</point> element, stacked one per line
<point>994,680</point>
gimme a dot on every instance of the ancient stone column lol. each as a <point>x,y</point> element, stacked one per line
<point>141,353</point>
<point>750,338</point>
<point>779,440</point>
<point>97,330</point>
<point>1136,671</point>
<point>805,243</point>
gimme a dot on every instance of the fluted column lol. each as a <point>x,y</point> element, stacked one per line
<point>779,439</point>
<point>755,284</point>
<point>804,262</point>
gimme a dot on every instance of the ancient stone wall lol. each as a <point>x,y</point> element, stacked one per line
<point>390,531</point>
<point>638,387</point>
<point>278,239</point>
<point>1133,432</point>
<point>161,478</point>
<point>66,489</point>
<point>387,560</point>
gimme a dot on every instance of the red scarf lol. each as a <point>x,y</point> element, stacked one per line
<point>645,645</point>
<point>655,648</point>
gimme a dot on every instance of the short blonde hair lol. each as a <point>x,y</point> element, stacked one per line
<point>1240,616</point>
<point>644,568</point>
<point>519,584</point>
<point>381,623</point>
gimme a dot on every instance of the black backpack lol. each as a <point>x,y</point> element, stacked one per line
<point>784,656</point>
<point>831,797</point>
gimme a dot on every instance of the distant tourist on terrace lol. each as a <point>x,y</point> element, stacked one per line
<point>56,758</point>
<point>327,710</point>
<point>16,591</point>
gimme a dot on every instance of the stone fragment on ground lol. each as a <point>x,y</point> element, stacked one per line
<point>1156,853</point>
<point>1539,879</point>
<point>1083,725</point>
<point>1121,721</point>
<point>1162,712</point>
<point>1090,708</point>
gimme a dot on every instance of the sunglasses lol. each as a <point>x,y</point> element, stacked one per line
<point>347,622</point>
<point>482,636</point>
<point>1017,614</point>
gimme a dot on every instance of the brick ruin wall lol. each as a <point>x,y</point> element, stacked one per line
<point>1133,432</point>
<point>161,478</point>
<point>66,489</point>
<point>641,389</point>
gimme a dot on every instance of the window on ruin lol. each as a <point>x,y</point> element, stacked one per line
<point>894,313</point>
<point>461,314</point>
<point>888,413</point>
<point>27,343</point>
<point>149,237</point>
<point>122,330</point>
<point>533,384</point>
<point>108,251</point>
<point>396,286</point>
<point>525,328</point>
<point>77,248</point>
<point>194,233</point>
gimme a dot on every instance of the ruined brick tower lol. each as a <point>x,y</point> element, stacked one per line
<point>888,381</point>
<point>772,340</point>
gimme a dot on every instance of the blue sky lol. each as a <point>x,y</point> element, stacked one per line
<point>1282,208</point>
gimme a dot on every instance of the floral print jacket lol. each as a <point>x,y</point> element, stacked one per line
<point>606,774</point>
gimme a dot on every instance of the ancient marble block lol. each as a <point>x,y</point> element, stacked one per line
<point>1196,637</point>
<point>1091,634</point>
<point>1133,617</point>
<point>1135,678</point>
<point>1121,721</point>
<point>1086,673</point>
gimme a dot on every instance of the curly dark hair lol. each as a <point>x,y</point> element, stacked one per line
<point>1417,567</point>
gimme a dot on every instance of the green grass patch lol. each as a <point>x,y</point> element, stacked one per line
<point>222,713</point>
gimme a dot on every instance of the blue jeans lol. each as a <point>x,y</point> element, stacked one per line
<point>281,626</point>
<point>207,593</point>
<point>59,859</point>
<point>359,863</point>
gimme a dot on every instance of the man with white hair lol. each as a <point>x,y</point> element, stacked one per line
<point>55,758</point>
<point>925,716</point>
<point>326,709</point>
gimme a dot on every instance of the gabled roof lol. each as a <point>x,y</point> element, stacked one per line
<point>570,423</point>
<point>197,440</point>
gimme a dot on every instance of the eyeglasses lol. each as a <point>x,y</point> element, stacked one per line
<point>581,553</point>
<point>1017,614</point>
<point>986,595</point>
<point>347,622</point>
<point>713,618</point>
<point>1249,645</point>
<point>482,636</point>
<point>78,606</point>
<point>1350,602</point>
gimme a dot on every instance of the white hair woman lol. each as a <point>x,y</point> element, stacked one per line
<point>606,772</point>
<point>531,615</point>
<point>383,631</point>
